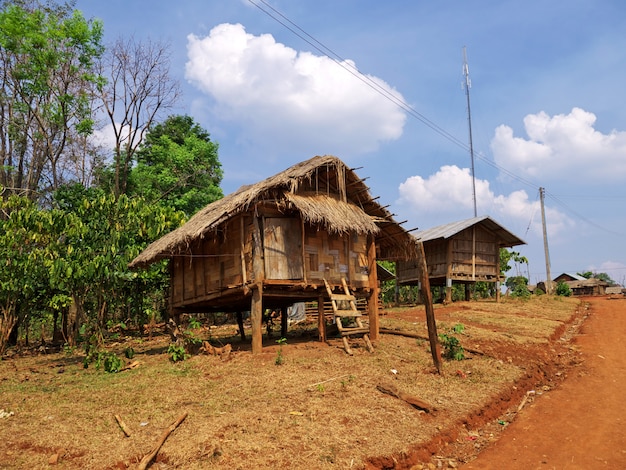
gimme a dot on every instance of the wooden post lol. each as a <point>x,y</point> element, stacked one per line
<point>283,321</point>
<point>321,320</point>
<point>258,267</point>
<point>240,325</point>
<point>430,311</point>
<point>449,258</point>
<point>256,318</point>
<point>372,301</point>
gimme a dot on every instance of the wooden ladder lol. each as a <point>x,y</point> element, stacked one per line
<point>352,312</point>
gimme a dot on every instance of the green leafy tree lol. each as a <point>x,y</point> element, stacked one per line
<point>99,234</point>
<point>178,166</point>
<point>25,233</point>
<point>47,56</point>
<point>507,256</point>
<point>518,286</point>
<point>602,276</point>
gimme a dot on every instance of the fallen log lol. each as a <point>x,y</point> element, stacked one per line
<point>409,334</point>
<point>122,425</point>
<point>130,366</point>
<point>410,399</point>
<point>148,458</point>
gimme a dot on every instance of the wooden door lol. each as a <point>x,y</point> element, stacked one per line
<point>282,241</point>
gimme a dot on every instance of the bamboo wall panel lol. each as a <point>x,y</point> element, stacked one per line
<point>329,256</point>
<point>177,279</point>
<point>230,255</point>
<point>211,265</point>
<point>358,258</point>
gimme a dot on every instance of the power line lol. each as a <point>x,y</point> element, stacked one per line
<point>280,18</point>
<point>583,218</point>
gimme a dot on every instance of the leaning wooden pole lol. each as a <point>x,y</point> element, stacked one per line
<point>428,302</point>
<point>149,457</point>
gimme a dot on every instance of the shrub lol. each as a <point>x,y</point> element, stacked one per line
<point>563,289</point>
<point>452,348</point>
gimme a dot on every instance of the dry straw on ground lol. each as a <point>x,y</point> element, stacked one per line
<point>320,409</point>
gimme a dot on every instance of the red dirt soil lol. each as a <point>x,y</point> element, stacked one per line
<point>580,424</point>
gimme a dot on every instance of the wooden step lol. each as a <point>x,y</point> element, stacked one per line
<point>347,313</point>
<point>343,297</point>
<point>354,331</point>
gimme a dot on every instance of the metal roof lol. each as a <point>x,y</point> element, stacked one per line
<point>506,238</point>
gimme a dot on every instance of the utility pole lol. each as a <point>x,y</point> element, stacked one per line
<point>545,242</point>
<point>467,85</point>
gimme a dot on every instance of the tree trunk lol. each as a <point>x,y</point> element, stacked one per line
<point>74,318</point>
<point>8,319</point>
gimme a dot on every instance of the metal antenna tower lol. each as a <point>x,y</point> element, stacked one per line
<point>467,84</point>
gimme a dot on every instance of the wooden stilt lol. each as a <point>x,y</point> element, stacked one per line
<point>240,325</point>
<point>256,318</point>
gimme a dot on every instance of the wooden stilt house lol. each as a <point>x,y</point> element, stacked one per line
<point>463,252</point>
<point>274,243</point>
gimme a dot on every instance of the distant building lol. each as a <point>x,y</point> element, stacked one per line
<point>581,285</point>
<point>462,252</point>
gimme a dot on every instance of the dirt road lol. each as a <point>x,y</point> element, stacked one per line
<point>581,424</point>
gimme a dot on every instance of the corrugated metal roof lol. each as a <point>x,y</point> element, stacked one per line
<point>507,239</point>
<point>575,277</point>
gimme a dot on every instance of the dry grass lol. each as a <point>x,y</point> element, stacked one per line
<point>320,409</point>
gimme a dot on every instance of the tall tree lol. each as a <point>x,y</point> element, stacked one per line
<point>178,166</point>
<point>47,58</point>
<point>138,88</point>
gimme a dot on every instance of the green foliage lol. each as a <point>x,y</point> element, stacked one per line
<point>507,256</point>
<point>25,233</point>
<point>178,166</point>
<point>48,56</point>
<point>452,348</point>
<point>177,353</point>
<point>518,286</point>
<point>563,289</point>
<point>76,254</point>
<point>129,353</point>
<point>280,360</point>
<point>602,276</point>
<point>194,324</point>
<point>109,361</point>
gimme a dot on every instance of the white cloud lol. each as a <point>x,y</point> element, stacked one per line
<point>104,137</point>
<point>448,193</point>
<point>562,146</point>
<point>283,97</point>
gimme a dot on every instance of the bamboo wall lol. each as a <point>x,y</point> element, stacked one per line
<point>452,258</point>
<point>224,259</point>
<point>333,257</point>
<point>213,264</point>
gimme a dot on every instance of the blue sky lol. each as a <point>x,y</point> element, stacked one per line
<point>547,99</point>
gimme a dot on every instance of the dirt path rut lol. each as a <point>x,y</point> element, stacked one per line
<point>581,424</point>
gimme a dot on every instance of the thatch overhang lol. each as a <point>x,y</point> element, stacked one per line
<point>322,189</point>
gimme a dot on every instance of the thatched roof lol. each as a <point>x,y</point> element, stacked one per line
<point>339,202</point>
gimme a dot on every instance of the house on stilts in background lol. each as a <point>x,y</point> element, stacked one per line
<point>277,242</point>
<point>462,252</point>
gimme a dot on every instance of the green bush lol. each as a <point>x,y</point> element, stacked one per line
<point>177,353</point>
<point>563,289</point>
<point>452,348</point>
